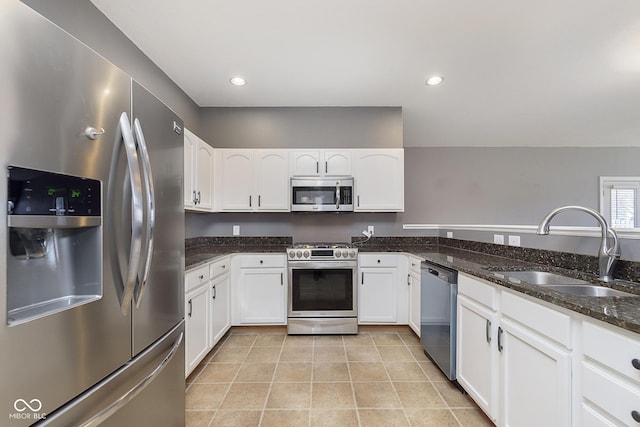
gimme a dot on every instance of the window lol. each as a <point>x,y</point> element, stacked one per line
<point>620,201</point>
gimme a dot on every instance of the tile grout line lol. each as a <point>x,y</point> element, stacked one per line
<point>395,391</point>
<point>353,389</point>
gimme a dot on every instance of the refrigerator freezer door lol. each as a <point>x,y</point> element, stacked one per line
<point>53,88</point>
<point>161,306</point>
<point>148,391</point>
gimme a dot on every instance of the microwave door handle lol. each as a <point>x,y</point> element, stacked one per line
<point>337,195</point>
<point>147,254</point>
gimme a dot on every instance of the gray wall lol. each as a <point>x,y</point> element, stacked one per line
<point>302,127</point>
<point>84,21</point>
<point>499,186</point>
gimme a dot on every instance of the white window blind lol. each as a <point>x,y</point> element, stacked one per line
<point>620,202</point>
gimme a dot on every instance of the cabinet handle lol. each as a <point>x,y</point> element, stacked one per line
<point>199,199</point>
<point>326,167</point>
<point>408,280</point>
<point>224,266</point>
<point>195,200</point>
<point>358,200</point>
<point>636,363</point>
<point>249,201</point>
<point>214,292</point>
<point>190,308</point>
<point>281,279</point>
<point>317,167</point>
<point>500,339</point>
<point>261,261</point>
<point>259,200</point>
<point>636,416</point>
<point>362,280</point>
<point>201,276</point>
<point>488,331</point>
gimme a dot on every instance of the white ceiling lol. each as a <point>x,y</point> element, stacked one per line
<point>517,73</point>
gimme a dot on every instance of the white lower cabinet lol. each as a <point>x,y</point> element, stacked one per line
<point>196,327</point>
<point>413,281</point>
<point>610,376</point>
<point>378,288</point>
<point>219,300</point>
<point>259,290</point>
<point>535,379</point>
<point>514,356</point>
<point>477,356</point>
<point>206,310</point>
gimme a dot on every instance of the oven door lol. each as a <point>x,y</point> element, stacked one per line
<point>323,289</point>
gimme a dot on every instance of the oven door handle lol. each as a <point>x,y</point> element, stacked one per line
<point>322,265</point>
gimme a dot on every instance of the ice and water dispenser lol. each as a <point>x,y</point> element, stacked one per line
<point>54,253</point>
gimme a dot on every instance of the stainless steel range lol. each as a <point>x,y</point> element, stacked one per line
<point>323,288</point>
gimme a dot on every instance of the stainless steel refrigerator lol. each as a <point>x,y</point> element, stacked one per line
<point>91,305</point>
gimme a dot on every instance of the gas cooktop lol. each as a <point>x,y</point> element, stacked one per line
<point>322,252</point>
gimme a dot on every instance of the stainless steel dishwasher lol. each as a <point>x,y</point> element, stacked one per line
<point>438,297</point>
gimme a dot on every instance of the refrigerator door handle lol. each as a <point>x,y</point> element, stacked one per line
<point>124,136</point>
<point>135,390</point>
<point>150,211</point>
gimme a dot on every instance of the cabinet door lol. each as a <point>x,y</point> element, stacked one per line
<point>204,176</point>
<point>236,180</point>
<point>262,296</point>
<point>377,298</point>
<point>535,379</point>
<point>305,163</point>
<point>190,144</point>
<point>337,163</point>
<point>414,302</point>
<point>196,327</point>
<point>379,180</point>
<point>219,309</point>
<point>272,180</point>
<point>476,357</point>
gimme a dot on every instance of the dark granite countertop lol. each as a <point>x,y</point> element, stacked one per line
<point>477,259</point>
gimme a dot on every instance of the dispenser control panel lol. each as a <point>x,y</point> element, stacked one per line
<point>34,192</point>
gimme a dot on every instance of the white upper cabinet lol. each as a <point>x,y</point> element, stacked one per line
<point>271,186</point>
<point>236,180</point>
<point>198,173</point>
<point>321,163</point>
<point>379,180</point>
<point>254,180</point>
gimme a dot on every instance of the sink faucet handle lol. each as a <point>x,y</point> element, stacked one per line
<point>614,251</point>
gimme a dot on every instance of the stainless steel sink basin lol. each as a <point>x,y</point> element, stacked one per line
<point>589,291</point>
<point>542,278</point>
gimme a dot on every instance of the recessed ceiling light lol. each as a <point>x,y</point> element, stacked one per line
<point>238,81</point>
<point>434,80</point>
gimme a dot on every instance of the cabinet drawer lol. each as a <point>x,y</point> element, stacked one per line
<point>617,397</point>
<point>262,260</point>
<point>614,350</point>
<point>544,320</point>
<point>414,265</point>
<point>477,290</point>
<point>219,267</point>
<point>377,260</point>
<point>195,278</point>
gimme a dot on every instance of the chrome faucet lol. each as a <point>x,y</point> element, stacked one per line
<point>607,256</point>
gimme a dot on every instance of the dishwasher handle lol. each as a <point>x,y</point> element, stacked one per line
<point>449,276</point>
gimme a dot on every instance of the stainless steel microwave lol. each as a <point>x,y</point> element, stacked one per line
<point>322,194</point>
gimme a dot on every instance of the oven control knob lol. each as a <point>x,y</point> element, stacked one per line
<point>338,254</point>
<point>352,254</point>
<point>299,254</point>
<point>292,254</point>
<point>306,254</point>
<point>345,254</point>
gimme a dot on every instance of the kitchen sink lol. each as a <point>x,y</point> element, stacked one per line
<point>542,278</point>
<point>589,291</point>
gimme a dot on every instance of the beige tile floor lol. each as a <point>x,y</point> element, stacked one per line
<point>380,377</point>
